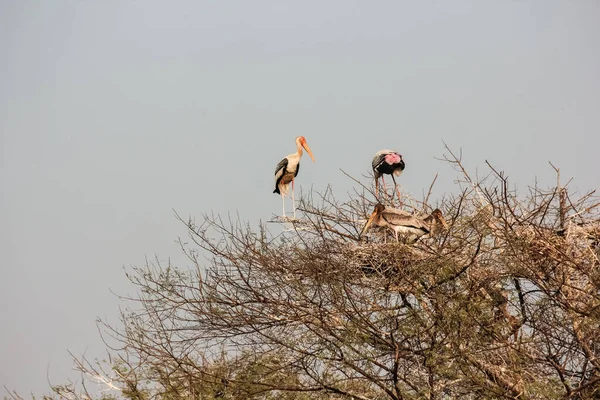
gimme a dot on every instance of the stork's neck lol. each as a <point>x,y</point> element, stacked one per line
<point>429,220</point>
<point>299,146</point>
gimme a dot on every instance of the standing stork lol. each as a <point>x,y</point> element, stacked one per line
<point>388,162</point>
<point>287,170</point>
<point>402,222</point>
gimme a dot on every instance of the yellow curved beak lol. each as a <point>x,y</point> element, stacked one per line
<point>305,145</point>
<point>364,229</point>
<point>443,221</point>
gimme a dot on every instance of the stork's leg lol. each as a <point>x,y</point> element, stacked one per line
<point>293,201</point>
<point>385,192</point>
<point>282,206</point>
<point>377,187</point>
<point>397,190</point>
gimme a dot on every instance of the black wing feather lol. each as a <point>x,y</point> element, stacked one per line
<point>282,166</point>
<point>377,161</point>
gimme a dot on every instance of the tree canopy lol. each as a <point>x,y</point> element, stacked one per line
<point>504,303</point>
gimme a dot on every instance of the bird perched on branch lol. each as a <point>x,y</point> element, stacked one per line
<point>287,170</point>
<point>402,222</point>
<point>388,162</point>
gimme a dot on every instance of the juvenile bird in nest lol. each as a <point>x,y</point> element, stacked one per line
<point>402,222</point>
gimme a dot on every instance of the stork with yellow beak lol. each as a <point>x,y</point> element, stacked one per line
<point>402,222</point>
<point>287,170</point>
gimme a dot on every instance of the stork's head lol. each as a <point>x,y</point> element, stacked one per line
<point>379,208</point>
<point>376,213</point>
<point>437,214</point>
<point>301,141</point>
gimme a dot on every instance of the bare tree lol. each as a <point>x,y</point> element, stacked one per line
<point>502,304</point>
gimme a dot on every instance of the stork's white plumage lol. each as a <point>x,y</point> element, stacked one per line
<point>287,170</point>
<point>388,162</point>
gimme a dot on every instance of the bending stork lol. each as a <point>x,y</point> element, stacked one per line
<point>287,170</point>
<point>388,162</point>
<point>402,222</point>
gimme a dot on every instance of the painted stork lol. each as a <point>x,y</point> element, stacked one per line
<point>402,222</point>
<point>287,170</point>
<point>388,162</point>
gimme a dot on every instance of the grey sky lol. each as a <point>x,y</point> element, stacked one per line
<point>113,113</point>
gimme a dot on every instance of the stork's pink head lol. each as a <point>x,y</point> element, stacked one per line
<point>393,158</point>
<point>302,142</point>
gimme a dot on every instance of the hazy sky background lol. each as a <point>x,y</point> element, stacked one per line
<point>115,112</point>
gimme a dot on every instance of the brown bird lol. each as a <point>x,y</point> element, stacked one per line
<point>402,222</point>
